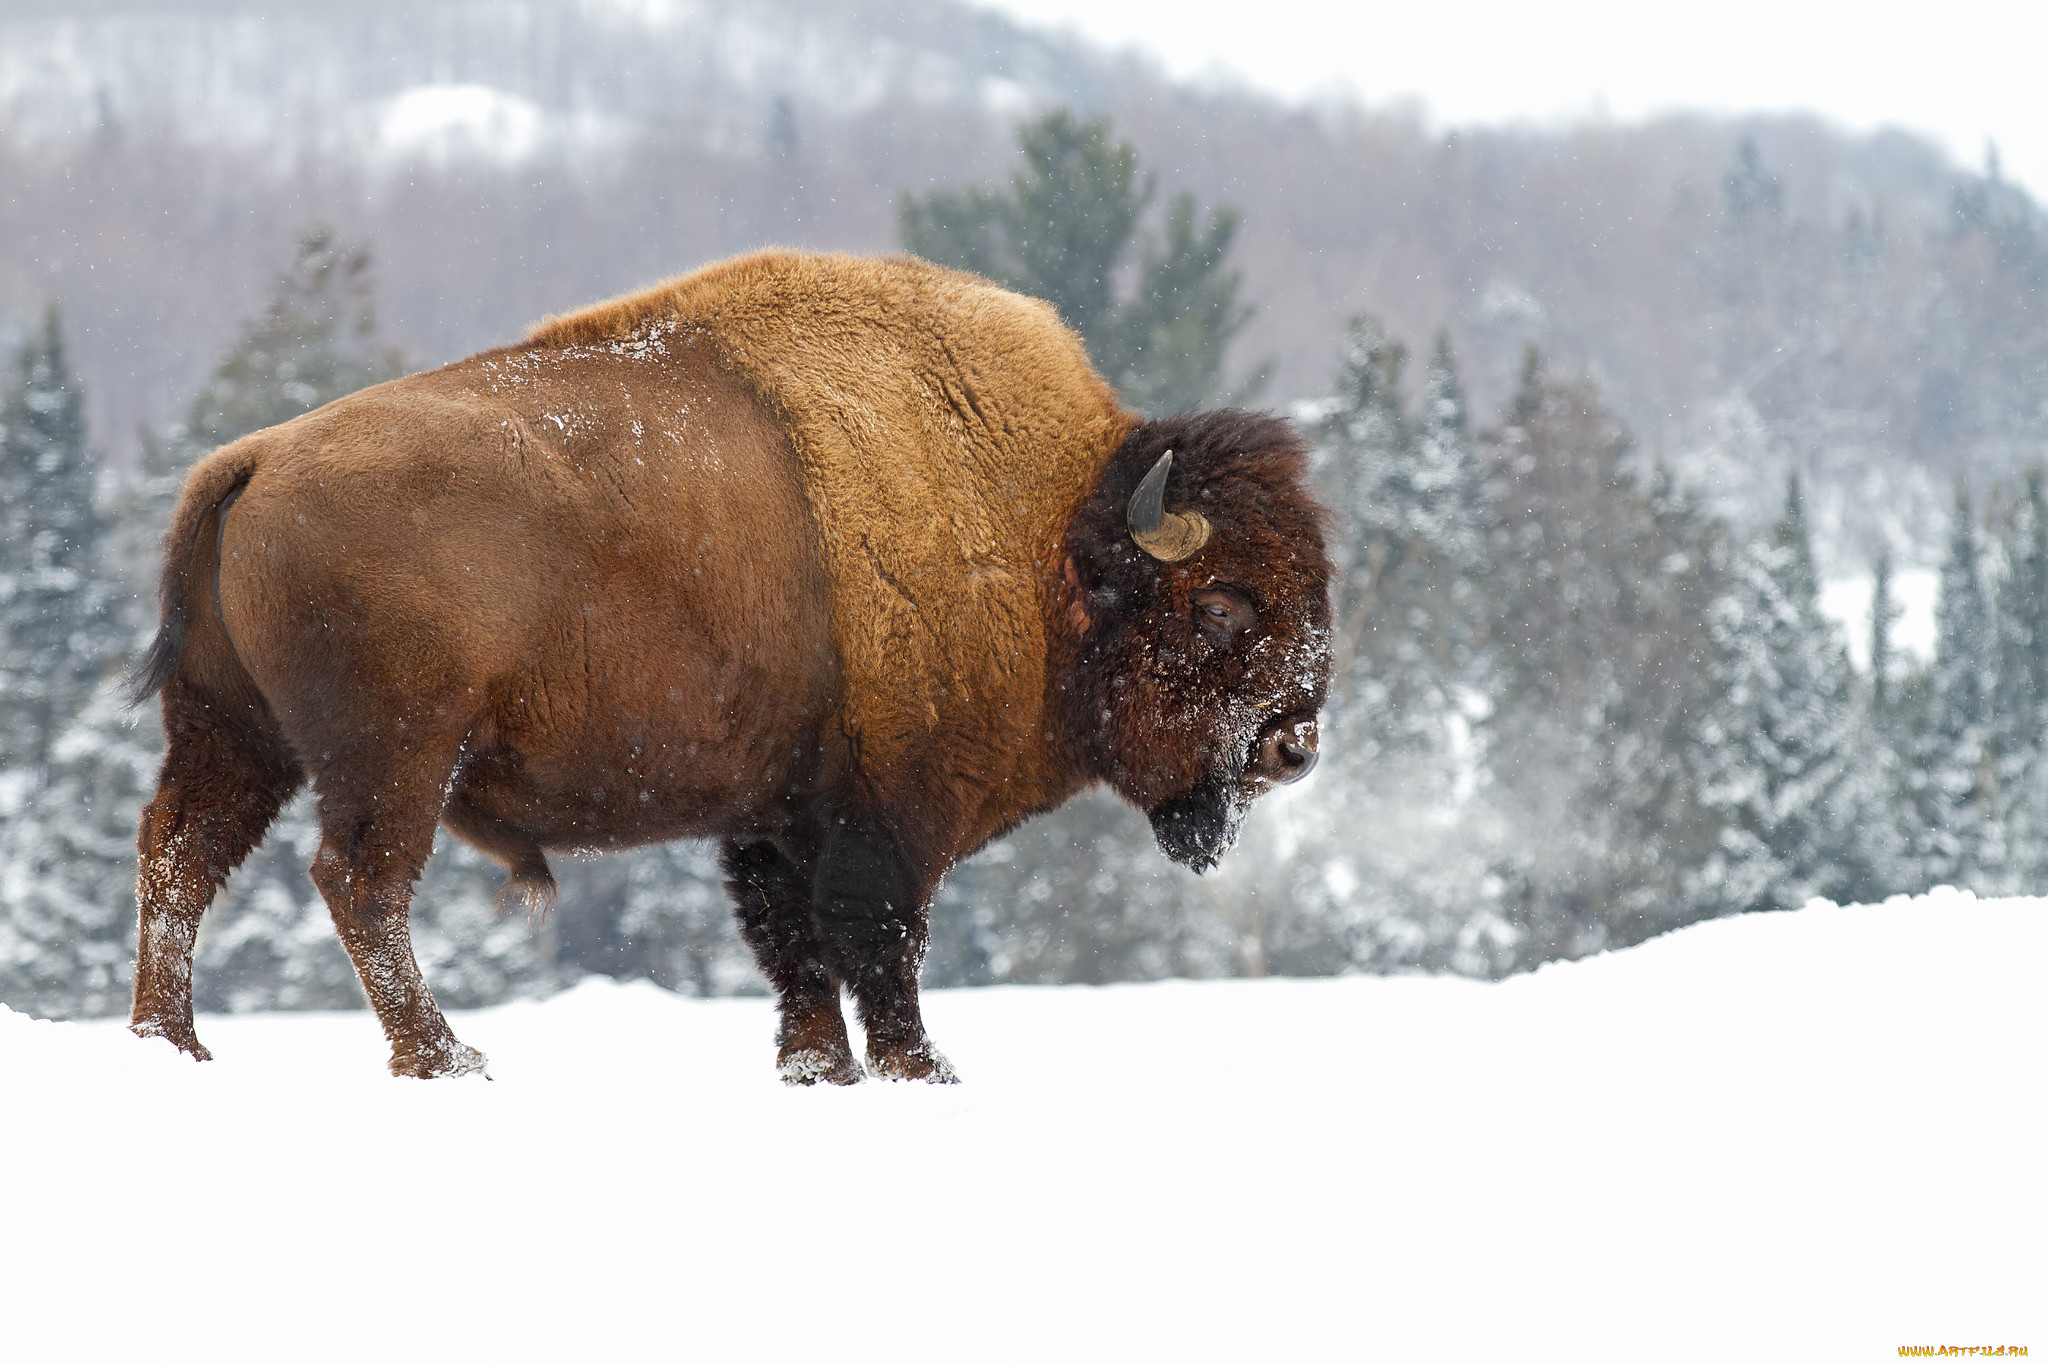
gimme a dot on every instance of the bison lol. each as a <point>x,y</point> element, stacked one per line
<point>850,564</point>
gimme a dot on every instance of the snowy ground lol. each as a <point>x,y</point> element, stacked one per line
<point>1813,1136</point>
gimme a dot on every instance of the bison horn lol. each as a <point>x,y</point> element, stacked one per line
<point>1171,536</point>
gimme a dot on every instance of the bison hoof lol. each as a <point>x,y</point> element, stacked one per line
<point>448,1058</point>
<point>921,1063</point>
<point>810,1065</point>
<point>180,1037</point>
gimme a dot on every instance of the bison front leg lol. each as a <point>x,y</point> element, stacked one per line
<point>873,917</point>
<point>372,850</point>
<point>772,898</point>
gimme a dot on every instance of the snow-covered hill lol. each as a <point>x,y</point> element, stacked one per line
<point>1813,1136</point>
<point>505,79</point>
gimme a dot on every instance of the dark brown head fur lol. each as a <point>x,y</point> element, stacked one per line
<point>1184,669</point>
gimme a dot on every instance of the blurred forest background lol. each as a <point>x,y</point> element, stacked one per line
<point>1605,412</point>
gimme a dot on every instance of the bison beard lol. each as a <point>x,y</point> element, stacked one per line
<point>846,564</point>
<point>1199,828</point>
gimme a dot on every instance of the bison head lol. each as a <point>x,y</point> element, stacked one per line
<point>1201,601</point>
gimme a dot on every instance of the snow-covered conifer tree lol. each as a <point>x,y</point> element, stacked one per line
<point>1949,764</point>
<point>2020,624</point>
<point>1408,693</point>
<point>1884,614</point>
<point>1782,751</point>
<point>2013,857</point>
<point>71,767</point>
<point>67,865</point>
<point>59,617</point>
<point>675,922</point>
<point>1600,578</point>
<point>1892,701</point>
<point>1408,491</point>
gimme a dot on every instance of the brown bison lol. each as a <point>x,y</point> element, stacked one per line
<point>850,564</point>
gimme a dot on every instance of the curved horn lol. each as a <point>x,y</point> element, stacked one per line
<point>1169,536</point>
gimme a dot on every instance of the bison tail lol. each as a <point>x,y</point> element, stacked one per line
<point>195,527</point>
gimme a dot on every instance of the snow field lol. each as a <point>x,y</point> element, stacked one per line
<point>1811,1136</point>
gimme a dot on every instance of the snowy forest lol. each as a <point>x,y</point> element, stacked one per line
<point>1584,691</point>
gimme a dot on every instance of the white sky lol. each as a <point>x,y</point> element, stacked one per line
<point>1846,602</point>
<point>1962,71</point>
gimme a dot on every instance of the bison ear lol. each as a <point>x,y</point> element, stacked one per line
<point>1168,536</point>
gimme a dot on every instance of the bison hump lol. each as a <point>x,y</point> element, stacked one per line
<point>948,430</point>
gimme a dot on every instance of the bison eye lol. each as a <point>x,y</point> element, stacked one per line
<point>1222,614</point>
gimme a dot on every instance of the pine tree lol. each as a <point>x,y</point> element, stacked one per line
<point>1409,561</point>
<point>71,768</point>
<point>1884,614</point>
<point>2014,853</point>
<point>1892,704</point>
<point>67,931</point>
<point>315,342</point>
<point>1408,685</point>
<point>59,622</point>
<point>1362,440</point>
<point>1449,522</point>
<point>1166,350</point>
<point>1750,188</point>
<point>677,919</point>
<point>1950,768</point>
<point>2020,682</point>
<point>1783,759</point>
<point>1068,229</point>
<point>1601,588</point>
<point>1061,232</point>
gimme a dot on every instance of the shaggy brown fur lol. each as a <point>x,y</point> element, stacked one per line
<point>948,431</point>
<point>819,556</point>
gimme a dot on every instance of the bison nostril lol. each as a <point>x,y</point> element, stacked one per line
<point>1286,755</point>
<point>1298,760</point>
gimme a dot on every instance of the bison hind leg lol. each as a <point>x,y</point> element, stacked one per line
<point>378,808</point>
<point>225,776</point>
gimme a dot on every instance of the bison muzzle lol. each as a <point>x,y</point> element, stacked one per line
<point>848,564</point>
